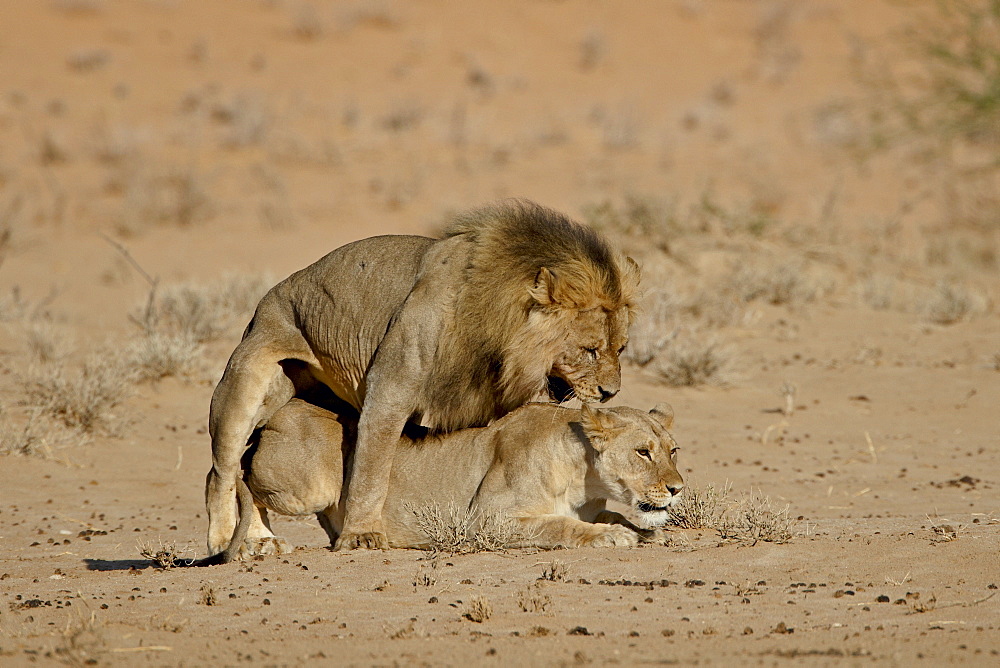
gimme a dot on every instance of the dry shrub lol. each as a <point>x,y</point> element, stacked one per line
<point>207,595</point>
<point>692,358</point>
<point>460,530</point>
<point>951,303</point>
<point>159,355</point>
<point>755,519</point>
<point>82,643</point>
<point>202,312</point>
<point>165,195</point>
<point>37,435</point>
<point>47,343</point>
<point>555,571</point>
<point>700,508</point>
<point>162,556</point>
<point>780,284</point>
<point>479,610</point>
<point>83,399</point>
<point>531,599</point>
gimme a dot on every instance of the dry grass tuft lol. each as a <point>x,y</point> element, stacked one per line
<point>84,399</point>
<point>555,571</point>
<point>163,556</point>
<point>755,519</point>
<point>531,599</point>
<point>693,358</point>
<point>700,508</point>
<point>82,643</point>
<point>36,435</point>
<point>207,595</point>
<point>479,610</point>
<point>457,531</point>
<point>159,355</point>
<point>202,312</point>
<point>950,304</point>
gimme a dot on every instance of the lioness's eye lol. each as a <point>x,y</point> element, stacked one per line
<point>643,452</point>
<point>621,350</point>
<point>673,452</point>
<point>592,352</point>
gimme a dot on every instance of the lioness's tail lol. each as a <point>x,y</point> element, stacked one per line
<point>245,499</point>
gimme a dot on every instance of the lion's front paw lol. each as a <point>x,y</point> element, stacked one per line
<point>369,540</point>
<point>612,536</point>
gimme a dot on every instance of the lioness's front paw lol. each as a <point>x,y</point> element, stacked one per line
<point>654,536</point>
<point>370,540</point>
<point>613,536</point>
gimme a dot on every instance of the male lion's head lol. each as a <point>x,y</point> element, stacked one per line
<point>546,302</point>
<point>589,312</point>
<point>636,458</point>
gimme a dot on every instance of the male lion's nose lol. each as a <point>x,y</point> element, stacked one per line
<point>606,394</point>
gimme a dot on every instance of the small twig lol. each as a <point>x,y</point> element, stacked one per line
<point>149,648</point>
<point>871,448</point>
<point>131,260</point>
<point>967,604</point>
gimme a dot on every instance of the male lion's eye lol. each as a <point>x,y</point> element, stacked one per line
<point>643,452</point>
<point>621,350</point>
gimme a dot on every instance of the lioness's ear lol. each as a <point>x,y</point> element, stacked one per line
<point>544,290</point>
<point>664,415</point>
<point>599,425</point>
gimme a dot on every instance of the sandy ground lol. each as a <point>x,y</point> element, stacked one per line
<point>190,141</point>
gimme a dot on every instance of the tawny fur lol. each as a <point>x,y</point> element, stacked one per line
<point>449,333</point>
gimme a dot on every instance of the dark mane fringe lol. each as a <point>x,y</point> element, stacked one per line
<point>512,240</point>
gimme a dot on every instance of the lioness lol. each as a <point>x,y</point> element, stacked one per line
<point>549,468</point>
<point>447,333</point>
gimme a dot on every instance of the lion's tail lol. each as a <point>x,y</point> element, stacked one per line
<point>245,499</point>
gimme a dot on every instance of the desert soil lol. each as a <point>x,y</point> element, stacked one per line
<point>166,143</point>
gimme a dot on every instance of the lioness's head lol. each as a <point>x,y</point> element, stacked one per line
<point>636,457</point>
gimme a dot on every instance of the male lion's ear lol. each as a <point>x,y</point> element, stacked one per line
<point>544,290</point>
<point>663,414</point>
<point>599,425</point>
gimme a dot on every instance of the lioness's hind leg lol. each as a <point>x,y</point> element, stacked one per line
<point>260,539</point>
<point>252,388</point>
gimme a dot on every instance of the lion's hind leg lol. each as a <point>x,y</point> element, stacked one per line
<point>252,388</point>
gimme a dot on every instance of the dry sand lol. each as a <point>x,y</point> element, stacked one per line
<point>200,140</point>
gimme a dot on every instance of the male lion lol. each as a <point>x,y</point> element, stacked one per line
<point>447,333</point>
<point>550,469</point>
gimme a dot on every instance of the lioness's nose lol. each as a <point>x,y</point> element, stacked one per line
<point>676,489</point>
<point>606,394</point>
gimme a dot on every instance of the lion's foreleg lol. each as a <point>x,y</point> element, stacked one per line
<point>367,483</point>
<point>251,390</point>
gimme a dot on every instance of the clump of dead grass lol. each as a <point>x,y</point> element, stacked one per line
<point>532,599</point>
<point>700,508</point>
<point>158,355</point>
<point>33,434</point>
<point>459,530</point>
<point>82,643</point>
<point>201,313</point>
<point>950,303</point>
<point>478,610</point>
<point>690,358</point>
<point>162,555</point>
<point>756,519</point>
<point>85,398</point>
